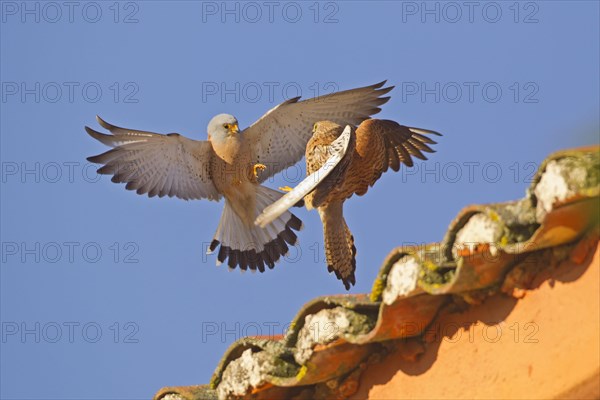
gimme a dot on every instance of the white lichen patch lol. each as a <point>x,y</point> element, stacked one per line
<point>243,373</point>
<point>402,279</point>
<point>172,396</point>
<point>325,326</point>
<point>480,229</point>
<point>560,180</point>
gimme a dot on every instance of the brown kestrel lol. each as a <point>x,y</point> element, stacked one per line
<point>233,164</point>
<point>343,162</point>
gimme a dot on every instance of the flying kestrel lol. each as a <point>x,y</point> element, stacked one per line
<point>232,164</point>
<point>343,162</point>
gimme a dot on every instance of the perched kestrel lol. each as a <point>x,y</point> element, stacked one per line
<point>228,165</point>
<point>343,162</point>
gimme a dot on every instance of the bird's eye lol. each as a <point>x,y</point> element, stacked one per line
<point>315,128</point>
<point>226,126</point>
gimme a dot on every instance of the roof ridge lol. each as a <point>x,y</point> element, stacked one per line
<point>483,244</point>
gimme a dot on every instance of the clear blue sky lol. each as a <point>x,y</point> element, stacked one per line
<point>506,85</point>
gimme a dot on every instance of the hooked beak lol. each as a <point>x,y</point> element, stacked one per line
<point>234,129</point>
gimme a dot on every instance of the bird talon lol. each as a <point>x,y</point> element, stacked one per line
<point>285,188</point>
<point>258,167</point>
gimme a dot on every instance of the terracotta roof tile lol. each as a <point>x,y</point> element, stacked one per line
<point>487,249</point>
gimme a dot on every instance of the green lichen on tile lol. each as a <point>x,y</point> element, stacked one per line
<point>571,175</point>
<point>582,172</point>
<point>301,373</point>
<point>517,234</point>
<point>495,225</point>
<point>377,289</point>
<point>435,277</point>
<point>328,325</point>
<point>244,372</point>
<point>251,370</point>
<point>214,382</point>
<point>494,216</point>
<point>518,219</point>
<point>194,392</point>
<point>430,266</point>
<point>283,368</point>
<point>364,325</point>
<point>381,281</point>
<point>590,157</point>
<point>234,352</point>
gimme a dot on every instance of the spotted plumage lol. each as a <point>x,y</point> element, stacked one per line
<point>373,148</point>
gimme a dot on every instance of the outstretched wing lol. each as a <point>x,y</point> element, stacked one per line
<point>163,165</point>
<point>280,136</point>
<point>401,142</point>
<point>383,144</point>
<point>336,151</point>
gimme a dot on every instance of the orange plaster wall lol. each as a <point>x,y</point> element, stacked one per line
<point>543,346</point>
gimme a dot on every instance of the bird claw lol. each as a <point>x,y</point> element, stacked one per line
<point>258,167</point>
<point>285,188</point>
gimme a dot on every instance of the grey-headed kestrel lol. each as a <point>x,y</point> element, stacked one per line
<point>233,164</point>
<point>343,162</point>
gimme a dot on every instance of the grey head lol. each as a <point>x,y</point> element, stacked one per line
<point>222,126</point>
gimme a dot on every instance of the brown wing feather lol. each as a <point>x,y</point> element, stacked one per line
<point>406,142</point>
<point>280,136</point>
<point>383,144</point>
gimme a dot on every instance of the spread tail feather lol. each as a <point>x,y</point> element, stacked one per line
<point>340,251</point>
<point>250,246</point>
